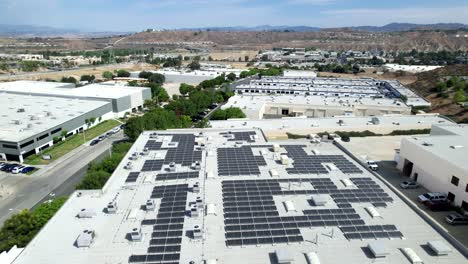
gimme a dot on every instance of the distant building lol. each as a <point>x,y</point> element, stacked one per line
<point>439,162</point>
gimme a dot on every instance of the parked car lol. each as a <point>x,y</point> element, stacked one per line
<point>110,133</point>
<point>372,165</point>
<point>438,205</point>
<point>409,185</point>
<point>94,142</point>
<point>456,219</point>
<point>17,169</point>
<point>10,167</point>
<point>116,129</point>
<point>2,164</point>
<point>432,196</point>
<point>28,169</point>
<point>102,137</point>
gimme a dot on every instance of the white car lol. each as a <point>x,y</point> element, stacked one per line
<point>372,165</point>
<point>434,196</point>
<point>116,129</point>
<point>17,169</point>
<point>409,185</point>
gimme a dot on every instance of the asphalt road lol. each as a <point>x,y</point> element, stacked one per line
<point>59,177</point>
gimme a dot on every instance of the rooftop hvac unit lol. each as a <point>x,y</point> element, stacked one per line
<point>128,166</point>
<point>194,210</point>
<point>196,187</point>
<point>136,234</point>
<point>85,239</point>
<point>283,256</point>
<point>347,183</point>
<point>320,199</point>
<point>284,159</point>
<point>172,167</point>
<point>289,205</point>
<point>197,232</point>
<point>276,148</point>
<point>274,173</point>
<point>20,110</point>
<point>439,248</point>
<point>86,213</point>
<point>196,165</point>
<point>199,202</point>
<point>210,209</point>
<point>150,205</point>
<point>373,212</point>
<point>111,207</point>
<point>17,122</point>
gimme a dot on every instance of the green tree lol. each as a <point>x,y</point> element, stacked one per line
<point>69,79</point>
<point>231,76</point>
<point>459,96</point>
<point>157,78</point>
<point>194,65</point>
<point>441,87</point>
<point>108,75</point>
<point>246,58</point>
<point>145,74</point>
<point>88,78</point>
<point>185,89</point>
<point>123,73</point>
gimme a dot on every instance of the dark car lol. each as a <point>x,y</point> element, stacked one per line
<point>94,142</point>
<point>28,169</point>
<point>212,106</point>
<point>10,167</point>
<point>438,205</point>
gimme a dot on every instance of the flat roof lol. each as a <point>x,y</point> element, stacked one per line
<point>101,91</point>
<point>452,147</point>
<point>331,124</point>
<point>252,104</point>
<point>241,209</point>
<point>40,114</point>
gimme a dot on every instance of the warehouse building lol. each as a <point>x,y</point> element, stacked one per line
<point>229,196</point>
<point>277,106</point>
<point>29,123</point>
<point>439,162</point>
<point>330,87</point>
<point>123,98</point>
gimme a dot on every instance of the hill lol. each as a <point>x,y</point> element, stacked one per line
<point>442,102</point>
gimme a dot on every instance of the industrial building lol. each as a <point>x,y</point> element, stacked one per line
<point>280,127</point>
<point>123,98</point>
<point>230,196</point>
<point>29,123</point>
<point>439,162</point>
<point>36,113</point>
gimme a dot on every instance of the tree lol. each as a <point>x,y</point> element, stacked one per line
<point>70,79</point>
<point>231,76</point>
<point>459,96</point>
<point>246,58</point>
<point>264,57</point>
<point>87,78</point>
<point>123,73</point>
<point>145,74</point>
<point>157,78</point>
<point>108,75</point>
<point>194,65</point>
<point>185,89</point>
<point>441,87</point>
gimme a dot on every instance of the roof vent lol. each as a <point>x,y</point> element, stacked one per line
<point>439,248</point>
<point>412,256</point>
<point>85,239</point>
<point>283,256</point>
<point>150,205</point>
<point>196,187</point>
<point>197,232</point>
<point>86,213</point>
<point>320,199</point>
<point>20,110</point>
<point>136,235</point>
<point>378,249</point>
<point>111,207</point>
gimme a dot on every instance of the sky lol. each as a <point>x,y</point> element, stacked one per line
<point>137,15</point>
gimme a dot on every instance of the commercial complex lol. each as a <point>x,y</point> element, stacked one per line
<point>36,113</point>
<point>272,97</point>
<point>439,162</point>
<point>230,196</point>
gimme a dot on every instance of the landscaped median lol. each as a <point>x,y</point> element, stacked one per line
<point>71,143</point>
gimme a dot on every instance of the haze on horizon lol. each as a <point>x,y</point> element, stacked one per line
<point>120,15</point>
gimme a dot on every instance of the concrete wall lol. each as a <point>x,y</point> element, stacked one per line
<point>434,173</point>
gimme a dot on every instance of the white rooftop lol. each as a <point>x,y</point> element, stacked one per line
<point>239,201</point>
<point>40,113</point>
<point>450,145</point>
<point>101,91</point>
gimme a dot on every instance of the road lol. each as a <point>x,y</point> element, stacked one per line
<point>59,176</point>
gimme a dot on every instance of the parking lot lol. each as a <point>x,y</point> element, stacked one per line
<point>381,149</point>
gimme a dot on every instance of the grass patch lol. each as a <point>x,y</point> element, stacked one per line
<point>63,147</point>
<point>32,172</point>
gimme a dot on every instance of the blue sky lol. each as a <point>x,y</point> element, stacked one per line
<point>129,15</point>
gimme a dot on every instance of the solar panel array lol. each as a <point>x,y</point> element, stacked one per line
<point>304,163</point>
<point>177,176</point>
<point>184,153</point>
<point>243,136</point>
<point>251,216</point>
<point>238,161</point>
<point>166,238</point>
<point>132,177</point>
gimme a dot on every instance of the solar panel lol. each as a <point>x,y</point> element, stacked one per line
<point>132,177</point>
<point>177,176</point>
<point>238,161</point>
